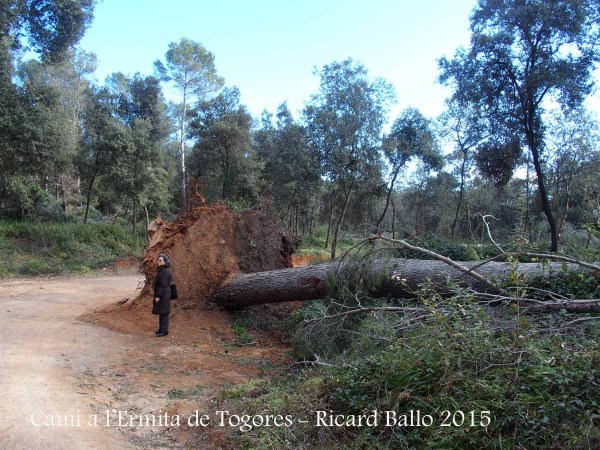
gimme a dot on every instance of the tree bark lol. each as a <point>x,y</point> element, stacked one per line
<point>460,194</point>
<point>544,198</point>
<point>393,220</point>
<point>339,223</point>
<point>401,279</point>
<point>332,205</point>
<point>182,149</point>
<point>387,200</point>
<point>89,197</point>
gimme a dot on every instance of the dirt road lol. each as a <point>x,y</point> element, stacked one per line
<point>66,362</point>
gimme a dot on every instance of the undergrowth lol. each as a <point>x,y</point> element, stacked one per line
<point>461,366</point>
<point>30,248</point>
<point>485,376</point>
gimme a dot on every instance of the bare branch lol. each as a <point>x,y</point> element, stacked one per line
<point>439,257</point>
<point>487,227</point>
<point>365,309</point>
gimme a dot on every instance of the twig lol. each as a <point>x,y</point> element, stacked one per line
<point>559,257</point>
<point>556,257</point>
<point>576,321</point>
<point>365,309</point>
<point>316,362</point>
<point>487,226</point>
<point>445,259</point>
<point>409,322</point>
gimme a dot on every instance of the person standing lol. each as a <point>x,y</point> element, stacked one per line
<point>161,305</point>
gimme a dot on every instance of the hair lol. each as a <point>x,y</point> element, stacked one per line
<point>166,259</point>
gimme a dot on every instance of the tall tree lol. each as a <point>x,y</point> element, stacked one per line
<point>192,70</point>
<point>66,82</point>
<point>574,152</point>
<point>344,121</point>
<point>50,28</point>
<point>411,137</point>
<point>523,54</point>
<point>291,172</point>
<point>222,155</point>
<point>139,178</point>
<point>465,129</point>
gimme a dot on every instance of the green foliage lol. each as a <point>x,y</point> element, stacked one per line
<point>569,285</point>
<point>316,239</point>
<point>344,123</point>
<point>290,173</point>
<point>19,196</point>
<point>454,250</point>
<point>222,158</point>
<point>510,81</point>
<point>242,335</point>
<point>538,393</point>
<point>539,389</point>
<point>244,321</point>
<point>55,248</point>
<point>192,70</point>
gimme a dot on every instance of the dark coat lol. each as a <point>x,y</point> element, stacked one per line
<point>162,290</point>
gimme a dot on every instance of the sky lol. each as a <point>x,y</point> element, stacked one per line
<point>269,49</point>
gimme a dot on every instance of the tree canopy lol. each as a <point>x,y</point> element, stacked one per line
<point>192,70</point>
<point>523,54</point>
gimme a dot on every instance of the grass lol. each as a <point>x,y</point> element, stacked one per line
<point>180,394</point>
<point>314,245</point>
<point>30,248</point>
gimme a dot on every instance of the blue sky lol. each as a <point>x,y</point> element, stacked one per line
<point>269,49</point>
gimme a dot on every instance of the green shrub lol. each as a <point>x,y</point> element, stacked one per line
<point>539,390</point>
<point>37,266</point>
<point>507,381</point>
<point>451,249</point>
<point>42,248</point>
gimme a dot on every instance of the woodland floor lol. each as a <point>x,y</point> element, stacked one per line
<point>66,352</point>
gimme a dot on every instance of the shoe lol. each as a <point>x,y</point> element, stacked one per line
<point>162,333</point>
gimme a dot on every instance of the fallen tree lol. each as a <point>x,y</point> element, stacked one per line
<point>399,278</point>
<point>403,278</point>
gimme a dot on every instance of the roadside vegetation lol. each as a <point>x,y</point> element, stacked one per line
<point>30,249</point>
<point>487,373</point>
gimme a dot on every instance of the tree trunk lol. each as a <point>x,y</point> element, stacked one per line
<point>460,194</point>
<point>64,193</point>
<point>393,220</point>
<point>339,224</point>
<point>533,147</point>
<point>147,236</point>
<point>330,218</point>
<point>401,278</point>
<point>89,196</point>
<point>134,217</point>
<point>182,149</point>
<point>387,200</point>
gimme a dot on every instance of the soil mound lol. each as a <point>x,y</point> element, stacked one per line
<point>208,244</point>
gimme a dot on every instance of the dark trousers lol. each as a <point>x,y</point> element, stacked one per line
<point>163,322</point>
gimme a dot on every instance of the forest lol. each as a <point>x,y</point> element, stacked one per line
<point>508,172</point>
<point>514,153</point>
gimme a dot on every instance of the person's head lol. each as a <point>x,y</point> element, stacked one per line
<point>163,260</point>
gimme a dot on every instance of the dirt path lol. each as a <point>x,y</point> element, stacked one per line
<point>69,353</point>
